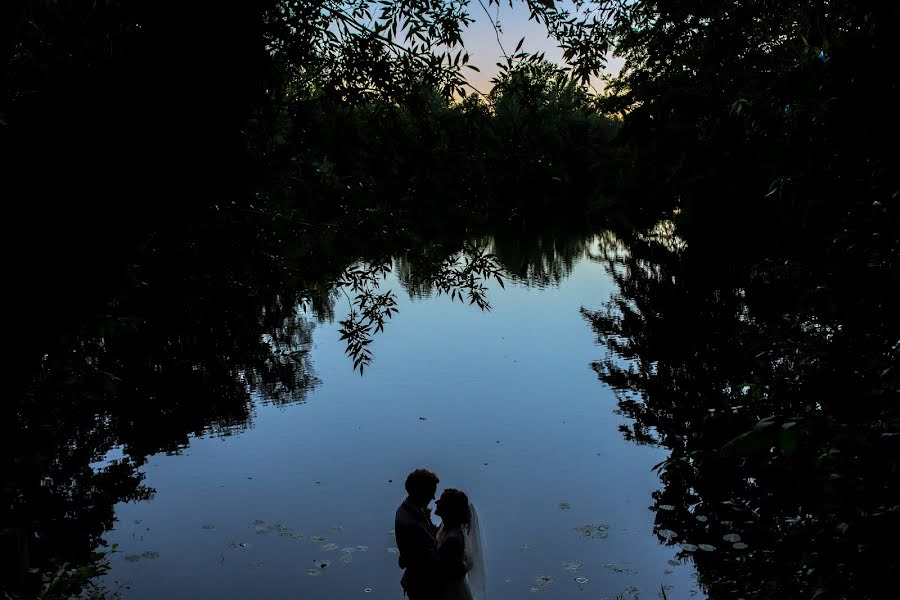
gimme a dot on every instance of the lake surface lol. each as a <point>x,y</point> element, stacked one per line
<point>502,403</point>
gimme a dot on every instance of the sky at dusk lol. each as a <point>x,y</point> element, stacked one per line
<point>484,51</point>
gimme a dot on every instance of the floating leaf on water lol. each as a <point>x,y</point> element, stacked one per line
<point>572,566</point>
<point>689,547</point>
<point>258,522</point>
<point>524,548</point>
<point>150,554</point>
<point>543,580</point>
<point>581,580</point>
<point>619,569</point>
<point>393,551</point>
<point>667,534</point>
<point>132,558</point>
<point>286,533</point>
<point>701,518</point>
<point>726,523</point>
<point>591,531</point>
<point>665,507</point>
<point>330,547</point>
<point>534,589</point>
<point>346,557</point>
<point>739,546</point>
<point>564,506</point>
<point>207,526</point>
<point>361,548</point>
<point>731,537</point>
<point>319,539</point>
<point>314,572</point>
<point>706,547</point>
<point>244,545</point>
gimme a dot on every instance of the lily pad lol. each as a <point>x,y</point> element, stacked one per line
<point>701,518</point>
<point>665,507</point>
<point>689,547</point>
<point>707,547</point>
<point>591,531</point>
<point>731,537</point>
<point>314,572</point>
<point>258,522</point>
<point>331,547</point>
<point>739,546</point>
<point>564,506</point>
<point>619,569</point>
<point>543,580</point>
<point>581,580</point>
<point>573,566</point>
<point>150,554</point>
<point>132,558</point>
<point>361,548</point>
<point>346,557</point>
<point>319,539</point>
<point>667,534</point>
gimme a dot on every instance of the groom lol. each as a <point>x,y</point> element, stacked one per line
<point>416,537</point>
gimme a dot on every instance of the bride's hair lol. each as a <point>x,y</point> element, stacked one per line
<point>455,507</point>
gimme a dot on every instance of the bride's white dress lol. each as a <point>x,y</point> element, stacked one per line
<point>463,546</point>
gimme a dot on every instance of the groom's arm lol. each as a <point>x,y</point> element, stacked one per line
<point>452,560</point>
<point>418,550</point>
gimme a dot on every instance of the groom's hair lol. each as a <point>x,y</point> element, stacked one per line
<point>421,482</point>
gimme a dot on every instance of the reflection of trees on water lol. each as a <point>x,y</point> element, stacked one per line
<point>773,397</point>
<point>182,351</point>
<point>541,257</point>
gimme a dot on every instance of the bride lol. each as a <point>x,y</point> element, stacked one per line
<point>459,545</point>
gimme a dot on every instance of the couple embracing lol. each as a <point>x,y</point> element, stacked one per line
<point>440,563</point>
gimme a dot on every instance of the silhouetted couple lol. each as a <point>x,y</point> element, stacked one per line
<point>440,563</point>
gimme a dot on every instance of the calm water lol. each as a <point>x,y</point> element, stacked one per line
<point>502,404</point>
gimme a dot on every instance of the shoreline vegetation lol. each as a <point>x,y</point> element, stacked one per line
<point>243,161</point>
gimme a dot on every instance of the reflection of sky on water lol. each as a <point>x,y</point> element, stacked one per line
<point>513,414</point>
